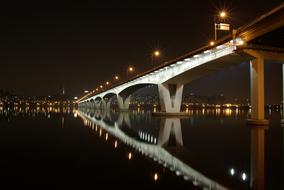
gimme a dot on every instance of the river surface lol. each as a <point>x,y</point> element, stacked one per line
<point>92,149</point>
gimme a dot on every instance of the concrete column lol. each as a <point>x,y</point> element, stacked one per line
<point>257,156</point>
<point>168,127</point>
<point>170,97</point>
<point>97,104</point>
<point>106,104</point>
<point>123,104</point>
<point>257,92</point>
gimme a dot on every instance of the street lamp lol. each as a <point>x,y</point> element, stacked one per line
<point>155,54</point>
<point>218,25</point>
<point>130,69</point>
<point>116,77</point>
<point>222,14</point>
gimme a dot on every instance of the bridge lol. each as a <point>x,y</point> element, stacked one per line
<point>257,43</point>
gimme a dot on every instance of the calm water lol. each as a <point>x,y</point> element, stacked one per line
<point>210,149</point>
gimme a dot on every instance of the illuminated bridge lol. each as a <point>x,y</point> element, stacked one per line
<point>257,43</point>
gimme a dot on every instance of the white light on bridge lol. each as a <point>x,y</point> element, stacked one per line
<point>239,42</point>
<point>220,47</point>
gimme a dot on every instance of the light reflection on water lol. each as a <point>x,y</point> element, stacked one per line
<point>174,142</point>
<point>170,130</point>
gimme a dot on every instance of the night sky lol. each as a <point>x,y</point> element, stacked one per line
<point>79,45</point>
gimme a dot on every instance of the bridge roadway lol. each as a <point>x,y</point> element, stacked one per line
<point>243,45</point>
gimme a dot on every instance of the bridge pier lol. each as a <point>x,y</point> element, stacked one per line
<point>123,104</point>
<point>170,98</point>
<point>106,104</point>
<point>97,104</point>
<point>257,92</point>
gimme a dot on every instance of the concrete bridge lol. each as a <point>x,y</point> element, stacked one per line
<point>257,43</point>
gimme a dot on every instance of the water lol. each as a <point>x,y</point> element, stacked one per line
<point>210,149</point>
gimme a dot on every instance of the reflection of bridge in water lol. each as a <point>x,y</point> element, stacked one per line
<point>157,148</point>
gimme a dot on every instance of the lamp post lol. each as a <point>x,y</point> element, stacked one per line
<point>130,69</point>
<point>155,54</point>
<point>218,25</point>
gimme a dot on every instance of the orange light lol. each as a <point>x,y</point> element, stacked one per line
<point>157,53</point>
<point>223,14</point>
<point>131,69</point>
<point>116,77</point>
<point>212,43</point>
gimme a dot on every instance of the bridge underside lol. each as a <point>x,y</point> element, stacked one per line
<point>208,68</point>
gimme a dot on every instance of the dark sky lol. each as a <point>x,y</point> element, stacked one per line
<point>81,44</point>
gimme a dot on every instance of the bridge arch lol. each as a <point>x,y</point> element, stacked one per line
<point>98,98</point>
<point>109,95</point>
<point>131,89</point>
